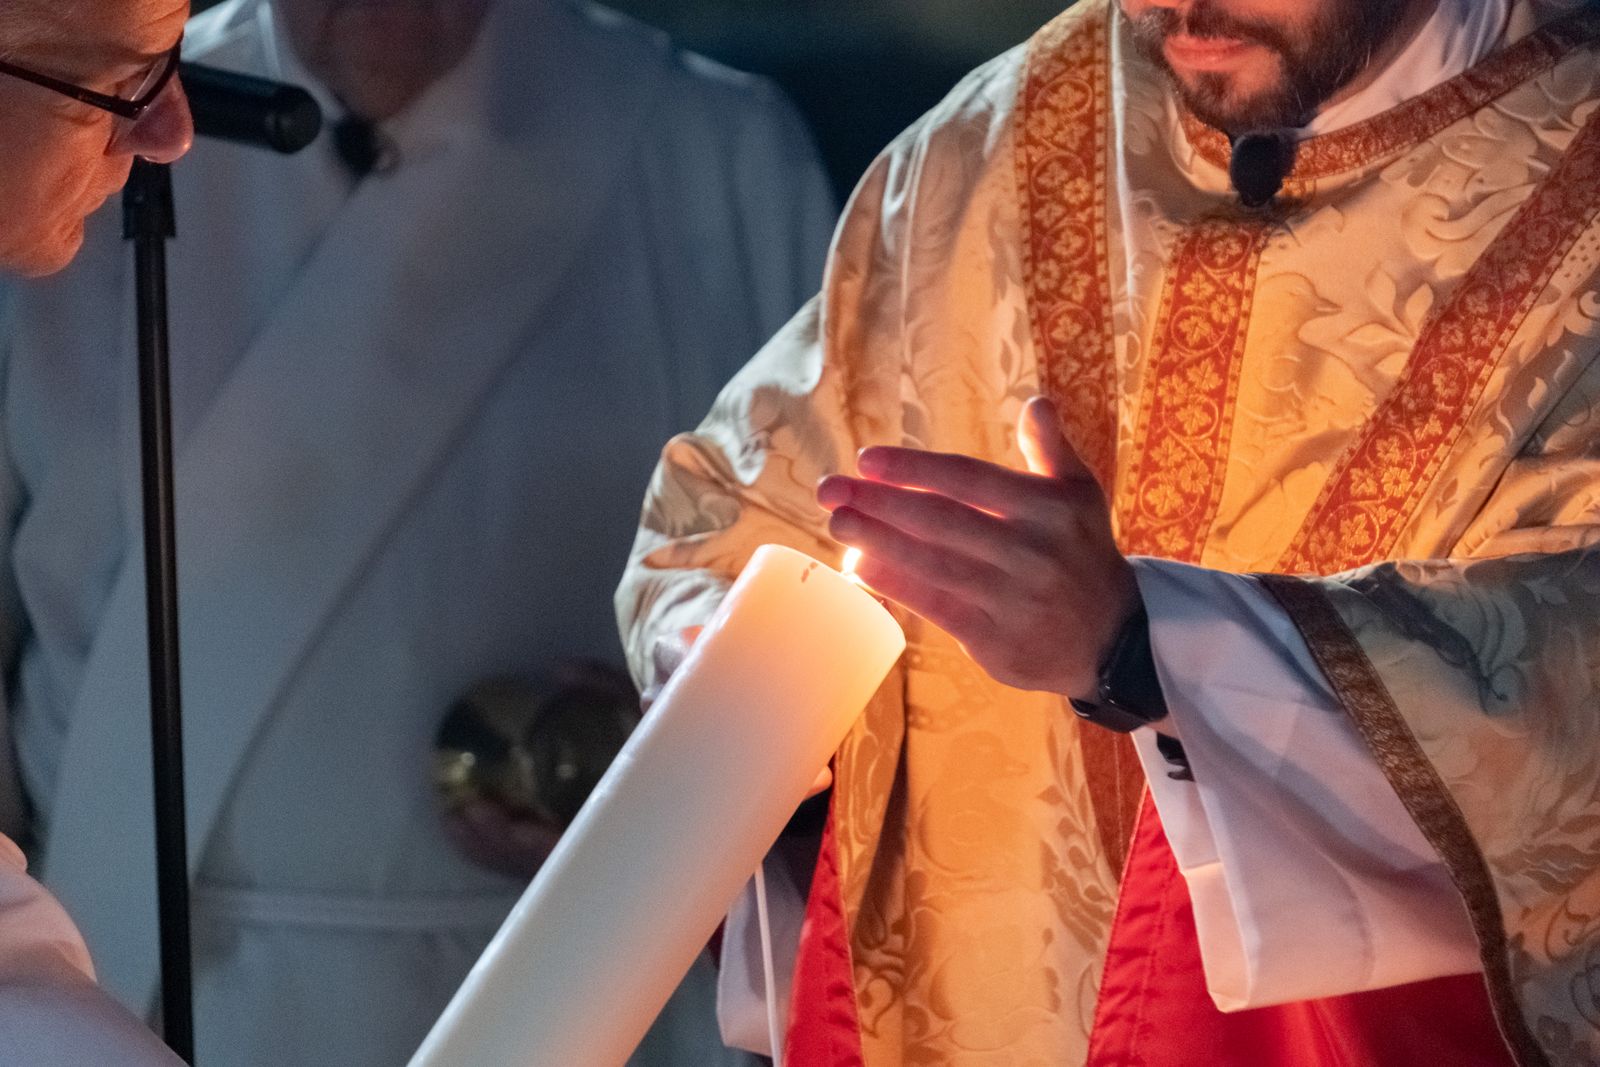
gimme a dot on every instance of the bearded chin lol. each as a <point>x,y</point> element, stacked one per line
<point>1213,101</point>
<point>1312,64</point>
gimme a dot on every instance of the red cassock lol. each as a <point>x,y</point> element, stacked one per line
<point>1153,1008</point>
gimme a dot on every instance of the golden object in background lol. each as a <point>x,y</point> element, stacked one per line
<point>535,748</point>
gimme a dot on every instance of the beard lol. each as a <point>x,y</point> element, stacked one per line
<point>1314,61</point>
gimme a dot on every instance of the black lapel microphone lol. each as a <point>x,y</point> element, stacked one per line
<point>1260,162</point>
<point>362,147</point>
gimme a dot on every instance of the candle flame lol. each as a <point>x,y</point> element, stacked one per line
<point>847,567</point>
<point>852,559</point>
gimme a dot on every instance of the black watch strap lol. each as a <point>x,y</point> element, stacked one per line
<point>1129,694</point>
<point>1171,750</point>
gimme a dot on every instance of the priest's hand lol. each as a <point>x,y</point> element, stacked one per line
<point>1019,566</point>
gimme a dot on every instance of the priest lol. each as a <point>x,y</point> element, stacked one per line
<point>1249,699</point>
<point>84,90</point>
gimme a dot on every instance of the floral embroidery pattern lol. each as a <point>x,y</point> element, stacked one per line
<point>1169,499</point>
<point>1379,483</point>
<point>1061,177</point>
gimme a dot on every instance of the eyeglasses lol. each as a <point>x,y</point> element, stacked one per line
<point>145,91</point>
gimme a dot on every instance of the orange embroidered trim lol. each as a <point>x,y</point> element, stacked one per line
<point>1380,481</point>
<point>1061,178</point>
<point>1191,383</point>
<point>1365,698</point>
<point>1419,118</point>
<point>1062,163</point>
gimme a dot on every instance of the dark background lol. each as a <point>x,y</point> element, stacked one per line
<point>860,70</point>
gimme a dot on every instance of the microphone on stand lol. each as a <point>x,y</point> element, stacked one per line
<point>250,110</point>
<point>265,114</point>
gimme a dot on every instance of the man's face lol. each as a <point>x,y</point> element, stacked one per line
<point>1257,64</point>
<point>377,56</point>
<point>60,159</point>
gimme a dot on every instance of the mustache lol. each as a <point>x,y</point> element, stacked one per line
<point>1206,21</point>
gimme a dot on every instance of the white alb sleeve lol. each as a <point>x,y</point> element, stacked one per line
<point>1308,877</point>
<point>51,1011</point>
<point>741,979</point>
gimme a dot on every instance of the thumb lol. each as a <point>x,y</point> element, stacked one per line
<point>1043,444</point>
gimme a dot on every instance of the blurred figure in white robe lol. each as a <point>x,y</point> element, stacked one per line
<point>420,374</point>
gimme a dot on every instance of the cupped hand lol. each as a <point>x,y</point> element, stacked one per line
<point>1019,566</point>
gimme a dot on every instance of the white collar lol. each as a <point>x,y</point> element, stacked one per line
<point>1458,35</point>
<point>452,108</point>
<point>448,110</point>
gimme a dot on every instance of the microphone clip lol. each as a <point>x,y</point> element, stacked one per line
<point>1259,164</point>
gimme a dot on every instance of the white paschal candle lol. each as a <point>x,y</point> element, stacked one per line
<point>672,833</point>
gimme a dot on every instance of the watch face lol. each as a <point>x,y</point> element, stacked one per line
<point>1130,688</point>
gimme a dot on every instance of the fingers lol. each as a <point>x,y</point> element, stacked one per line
<point>962,542</point>
<point>972,481</point>
<point>948,592</point>
<point>926,516</point>
<point>980,484</point>
<point>1043,444</point>
<point>933,562</point>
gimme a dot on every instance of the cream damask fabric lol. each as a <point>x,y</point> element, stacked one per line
<point>977,882</point>
<point>1476,684</point>
<point>966,836</point>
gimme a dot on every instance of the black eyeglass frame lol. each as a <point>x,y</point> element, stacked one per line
<point>127,109</point>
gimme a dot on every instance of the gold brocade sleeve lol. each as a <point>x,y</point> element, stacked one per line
<point>902,325</point>
<point>747,476</point>
<point>829,384</point>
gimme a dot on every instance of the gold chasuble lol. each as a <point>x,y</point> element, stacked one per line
<point>1394,362</point>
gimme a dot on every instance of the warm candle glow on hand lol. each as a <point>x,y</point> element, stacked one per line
<point>1019,566</point>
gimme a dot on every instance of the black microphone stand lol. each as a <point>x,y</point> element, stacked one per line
<point>149,222</point>
<point>249,111</point>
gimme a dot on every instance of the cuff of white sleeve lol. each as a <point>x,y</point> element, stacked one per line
<point>1307,876</point>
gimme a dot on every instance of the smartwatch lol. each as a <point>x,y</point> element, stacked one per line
<point>1129,693</point>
